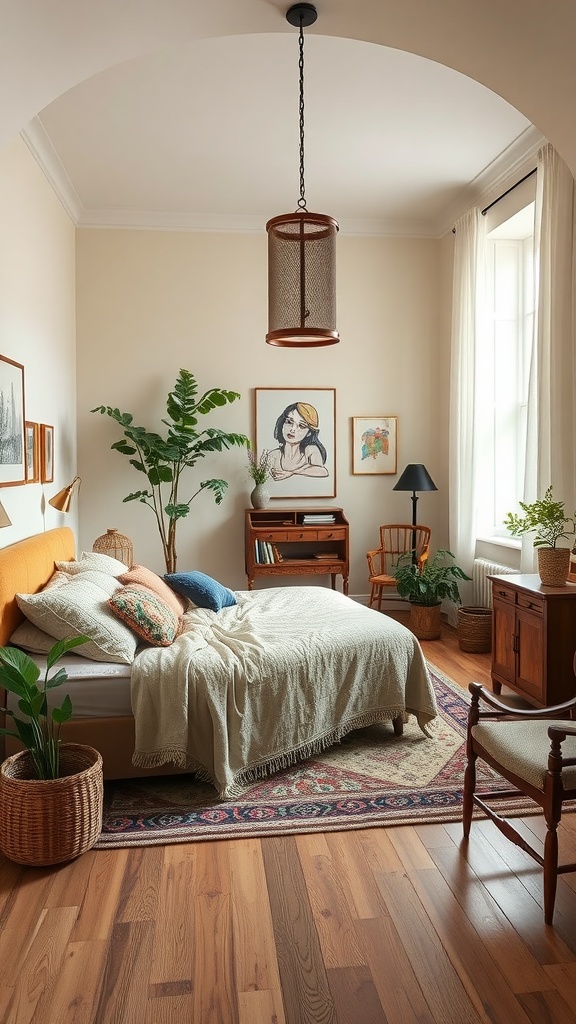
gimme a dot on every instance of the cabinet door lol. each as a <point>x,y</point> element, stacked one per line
<point>504,641</point>
<point>531,671</point>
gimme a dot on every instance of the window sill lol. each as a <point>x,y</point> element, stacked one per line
<point>501,542</point>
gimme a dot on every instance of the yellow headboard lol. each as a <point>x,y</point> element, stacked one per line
<point>26,567</point>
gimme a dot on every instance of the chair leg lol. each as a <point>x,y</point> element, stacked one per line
<point>380,592</point>
<point>550,870</point>
<point>372,595</point>
<point>469,788</point>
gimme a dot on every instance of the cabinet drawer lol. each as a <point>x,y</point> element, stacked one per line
<point>303,534</point>
<point>274,535</point>
<point>332,534</point>
<point>501,592</point>
<point>531,601</point>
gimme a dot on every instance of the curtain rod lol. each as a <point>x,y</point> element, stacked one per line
<point>511,189</point>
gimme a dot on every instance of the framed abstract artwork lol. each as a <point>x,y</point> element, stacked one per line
<point>12,419</point>
<point>46,453</point>
<point>32,453</point>
<point>374,444</point>
<point>297,427</point>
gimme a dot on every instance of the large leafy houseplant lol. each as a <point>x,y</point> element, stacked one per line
<point>432,581</point>
<point>163,459</point>
<point>39,730</point>
<point>546,518</point>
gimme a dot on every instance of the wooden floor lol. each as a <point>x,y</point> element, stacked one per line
<point>403,925</point>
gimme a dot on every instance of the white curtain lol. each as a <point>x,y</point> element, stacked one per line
<point>467,305</point>
<point>551,444</point>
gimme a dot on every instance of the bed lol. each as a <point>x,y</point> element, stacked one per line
<point>240,692</point>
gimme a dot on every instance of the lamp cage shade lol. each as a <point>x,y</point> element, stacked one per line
<point>117,545</point>
<point>302,280</point>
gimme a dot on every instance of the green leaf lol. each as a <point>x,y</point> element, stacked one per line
<point>63,646</point>
<point>64,712</point>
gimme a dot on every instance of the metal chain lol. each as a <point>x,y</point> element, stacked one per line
<point>302,200</point>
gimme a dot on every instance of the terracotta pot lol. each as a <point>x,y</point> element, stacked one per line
<point>425,621</point>
<point>554,566</point>
<point>51,821</point>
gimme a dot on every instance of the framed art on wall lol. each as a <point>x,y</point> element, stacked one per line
<point>46,453</point>
<point>12,419</point>
<point>297,426</point>
<point>32,453</point>
<point>374,444</point>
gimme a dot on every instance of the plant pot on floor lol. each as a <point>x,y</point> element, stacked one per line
<point>425,621</point>
<point>51,821</point>
<point>554,566</point>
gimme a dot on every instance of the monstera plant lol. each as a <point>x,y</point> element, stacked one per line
<point>164,460</point>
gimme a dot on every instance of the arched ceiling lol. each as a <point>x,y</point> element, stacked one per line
<point>521,50</point>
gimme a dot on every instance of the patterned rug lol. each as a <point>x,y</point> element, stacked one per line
<point>371,778</point>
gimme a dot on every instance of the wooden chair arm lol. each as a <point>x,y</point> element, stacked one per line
<point>556,711</point>
<point>560,732</point>
<point>371,556</point>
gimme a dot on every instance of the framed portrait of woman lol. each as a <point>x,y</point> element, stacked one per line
<point>297,427</point>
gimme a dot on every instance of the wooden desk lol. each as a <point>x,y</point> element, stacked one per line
<point>279,542</point>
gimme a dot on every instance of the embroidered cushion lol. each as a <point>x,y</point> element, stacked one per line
<point>204,591</point>
<point>147,578</point>
<point>146,613</point>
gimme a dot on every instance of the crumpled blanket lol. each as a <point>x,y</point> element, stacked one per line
<point>282,675</point>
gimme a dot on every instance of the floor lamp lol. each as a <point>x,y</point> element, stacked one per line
<point>415,478</point>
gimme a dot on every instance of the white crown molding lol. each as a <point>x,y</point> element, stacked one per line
<point>38,141</point>
<point>504,172</point>
<point>516,160</point>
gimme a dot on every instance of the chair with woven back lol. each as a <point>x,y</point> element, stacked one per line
<point>534,750</point>
<point>396,540</point>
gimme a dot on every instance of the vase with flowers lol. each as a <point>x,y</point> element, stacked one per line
<point>259,470</point>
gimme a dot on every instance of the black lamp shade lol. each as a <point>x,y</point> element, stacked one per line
<point>415,478</point>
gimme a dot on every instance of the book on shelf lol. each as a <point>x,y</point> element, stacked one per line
<point>327,556</point>
<point>309,519</point>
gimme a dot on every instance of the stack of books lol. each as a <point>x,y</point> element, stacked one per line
<point>266,553</point>
<point>316,518</point>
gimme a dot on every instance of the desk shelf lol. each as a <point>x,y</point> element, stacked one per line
<point>283,542</point>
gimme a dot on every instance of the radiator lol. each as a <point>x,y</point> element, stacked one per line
<point>482,586</point>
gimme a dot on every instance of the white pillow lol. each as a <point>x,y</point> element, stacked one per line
<point>79,607</point>
<point>93,560</point>
<point>31,639</point>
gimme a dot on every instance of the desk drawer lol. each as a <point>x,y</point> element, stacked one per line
<point>273,535</point>
<point>531,601</point>
<point>501,592</point>
<point>332,534</point>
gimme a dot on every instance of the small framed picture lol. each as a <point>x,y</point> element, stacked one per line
<point>46,453</point>
<point>12,419</point>
<point>374,444</point>
<point>32,453</point>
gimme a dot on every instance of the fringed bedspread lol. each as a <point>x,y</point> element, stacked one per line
<point>286,673</point>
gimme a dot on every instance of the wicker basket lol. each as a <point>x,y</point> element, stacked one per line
<point>50,821</point>
<point>475,630</point>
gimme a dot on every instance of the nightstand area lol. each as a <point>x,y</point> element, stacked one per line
<point>297,542</point>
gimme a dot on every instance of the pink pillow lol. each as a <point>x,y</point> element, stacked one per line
<point>146,578</point>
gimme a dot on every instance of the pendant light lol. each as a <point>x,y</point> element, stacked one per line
<point>302,252</point>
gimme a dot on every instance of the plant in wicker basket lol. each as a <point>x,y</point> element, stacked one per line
<point>425,585</point>
<point>39,731</point>
<point>548,521</point>
<point>51,793</point>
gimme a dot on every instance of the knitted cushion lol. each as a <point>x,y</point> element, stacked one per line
<point>146,613</point>
<point>204,591</point>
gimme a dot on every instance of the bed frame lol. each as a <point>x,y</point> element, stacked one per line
<point>26,567</point>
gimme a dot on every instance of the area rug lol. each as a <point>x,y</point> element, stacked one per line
<point>371,778</point>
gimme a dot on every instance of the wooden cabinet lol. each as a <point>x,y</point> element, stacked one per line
<point>293,542</point>
<point>533,638</point>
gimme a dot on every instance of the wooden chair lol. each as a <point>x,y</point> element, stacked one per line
<point>535,751</point>
<point>395,540</point>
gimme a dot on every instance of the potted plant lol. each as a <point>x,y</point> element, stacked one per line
<point>259,470</point>
<point>425,585</point>
<point>50,792</point>
<point>547,519</point>
<point>163,460</point>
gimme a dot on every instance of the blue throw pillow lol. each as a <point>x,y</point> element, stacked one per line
<point>201,589</point>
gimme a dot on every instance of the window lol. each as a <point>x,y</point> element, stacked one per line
<point>502,370</point>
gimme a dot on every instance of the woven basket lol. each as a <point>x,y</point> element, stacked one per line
<point>475,630</point>
<point>49,821</point>
<point>117,545</point>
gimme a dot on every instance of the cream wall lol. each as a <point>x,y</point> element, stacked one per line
<point>152,302</point>
<point>37,326</point>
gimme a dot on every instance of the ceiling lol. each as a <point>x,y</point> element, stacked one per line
<point>205,136</point>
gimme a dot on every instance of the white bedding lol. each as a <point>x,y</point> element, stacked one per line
<point>282,675</point>
<point>97,689</point>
